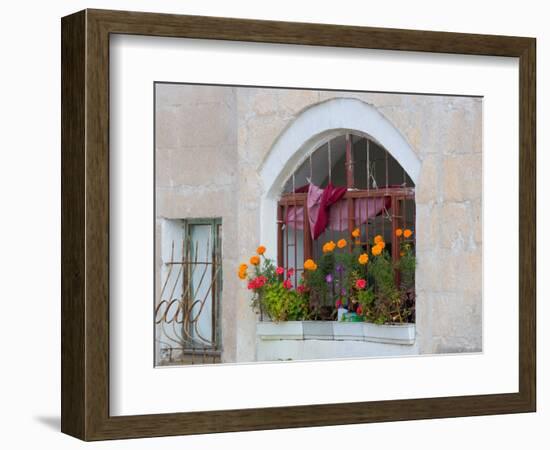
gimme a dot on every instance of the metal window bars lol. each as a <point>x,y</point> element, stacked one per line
<point>187,313</point>
<point>380,198</point>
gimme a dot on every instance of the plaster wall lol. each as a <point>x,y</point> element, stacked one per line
<point>221,152</point>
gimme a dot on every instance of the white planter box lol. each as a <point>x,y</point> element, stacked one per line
<point>280,330</point>
<point>349,331</point>
<point>318,329</point>
<point>403,334</point>
<point>399,334</point>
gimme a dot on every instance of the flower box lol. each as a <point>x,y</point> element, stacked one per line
<point>348,331</point>
<point>403,334</point>
<point>280,330</point>
<point>299,341</point>
<point>318,329</point>
<point>400,334</point>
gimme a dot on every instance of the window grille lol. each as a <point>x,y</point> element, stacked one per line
<point>379,198</point>
<point>188,310</point>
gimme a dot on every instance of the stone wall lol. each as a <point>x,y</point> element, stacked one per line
<point>211,143</point>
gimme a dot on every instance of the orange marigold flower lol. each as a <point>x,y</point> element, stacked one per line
<point>363,258</point>
<point>255,260</point>
<point>342,243</point>
<point>407,233</point>
<point>242,274</point>
<point>382,244</point>
<point>242,271</point>
<point>398,232</point>
<point>356,233</point>
<point>260,250</point>
<point>376,250</point>
<point>309,264</point>
<point>329,247</point>
<point>378,238</point>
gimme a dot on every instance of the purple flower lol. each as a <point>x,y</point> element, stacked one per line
<point>339,268</point>
<point>329,278</point>
<point>343,291</point>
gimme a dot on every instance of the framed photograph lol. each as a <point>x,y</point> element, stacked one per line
<point>273,225</point>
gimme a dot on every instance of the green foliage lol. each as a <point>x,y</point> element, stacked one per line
<point>353,270</point>
<point>387,302</point>
<point>377,298</point>
<point>267,269</point>
<point>381,270</point>
<point>366,297</point>
<point>407,267</point>
<point>283,304</point>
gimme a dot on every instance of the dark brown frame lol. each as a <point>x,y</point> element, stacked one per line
<point>85,224</point>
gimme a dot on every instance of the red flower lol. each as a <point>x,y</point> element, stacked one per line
<point>290,272</point>
<point>359,310</point>
<point>257,282</point>
<point>360,283</point>
<point>280,270</point>
<point>339,303</point>
<point>287,284</point>
<point>301,289</point>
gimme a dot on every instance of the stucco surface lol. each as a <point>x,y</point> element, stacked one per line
<point>212,144</point>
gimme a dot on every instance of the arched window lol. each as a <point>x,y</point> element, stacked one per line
<point>350,182</point>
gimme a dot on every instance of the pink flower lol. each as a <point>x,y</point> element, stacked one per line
<point>280,270</point>
<point>287,284</point>
<point>301,289</point>
<point>338,303</point>
<point>290,272</point>
<point>360,283</point>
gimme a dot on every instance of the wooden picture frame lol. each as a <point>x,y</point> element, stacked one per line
<point>85,224</point>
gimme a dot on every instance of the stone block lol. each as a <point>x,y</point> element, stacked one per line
<point>464,125</point>
<point>428,187</point>
<point>424,319</point>
<point>428,217</point>
<point>456,315</point>
<point>257,136</point>
<point>257,102</point>
<point>293,101</point>
<point>461,177</point>
<point>457,226</point>
<point>195,203</point>
<point>211,168</point>
<point>198,125</point>
<point>428,270</point>
<point>170,95</point>
<point>460,270</point>
<point>477,221</point>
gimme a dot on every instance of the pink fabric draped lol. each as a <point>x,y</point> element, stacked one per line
<point>327,208</point>
<point>365,208</point>
<point>295,217</point>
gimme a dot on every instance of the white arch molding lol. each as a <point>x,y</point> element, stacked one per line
<point>313,127</point>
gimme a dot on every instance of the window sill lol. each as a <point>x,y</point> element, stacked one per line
<point>398,334</point>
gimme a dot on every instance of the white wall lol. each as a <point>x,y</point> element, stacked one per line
<point>30,229</point>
